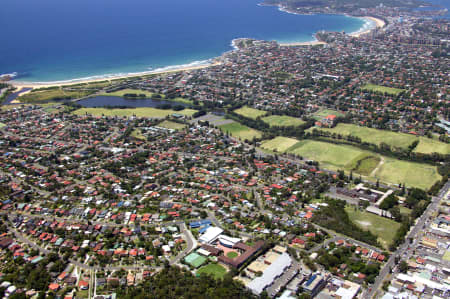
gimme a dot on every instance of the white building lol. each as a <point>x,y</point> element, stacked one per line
<point>210,235</point>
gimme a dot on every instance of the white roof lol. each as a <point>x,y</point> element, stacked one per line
<point>346,293</point>
<point>211,234</point>
<point>276,269</point>
<point>228,240</point>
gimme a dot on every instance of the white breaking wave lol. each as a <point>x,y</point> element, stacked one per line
<point>180,67</point>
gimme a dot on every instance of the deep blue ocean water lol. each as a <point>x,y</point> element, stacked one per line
<point>52,40</point>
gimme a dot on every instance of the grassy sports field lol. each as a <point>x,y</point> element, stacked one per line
<point>280,144</point>
<point>172,125</point>
<point>250,112</point>
<point>138,112</point>
<point>345,157</point>
<point>412,174</point>
<point>383,228</point>
<point>325,112</point>
<point>334,156</point>
<point>240,131</point>
<point>365,164</point>
<point>215,270</point>
<point>282,121</point>
<point>382,89</point>
<point>402,140</point>
<point>428,146</point>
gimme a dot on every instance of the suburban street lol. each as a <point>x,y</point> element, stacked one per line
<point>404,248</point>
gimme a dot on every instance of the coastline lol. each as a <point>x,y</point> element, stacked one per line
<point>174,69</point>
<point>377,23</point>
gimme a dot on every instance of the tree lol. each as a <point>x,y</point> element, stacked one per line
<point>403,267</point>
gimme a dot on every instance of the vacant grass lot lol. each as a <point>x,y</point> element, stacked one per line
<point>412,174</point>
<point>172,125</point>
<point>240,131</point>
<point>138,112</point>
<point>325,112</point>
<point>215,270</point>
<point>282,121</point>
<point>382,89</point>
<point>250,112</point>
<point>383,228</point>
<point>280,144</point>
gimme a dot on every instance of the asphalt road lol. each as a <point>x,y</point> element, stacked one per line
<point>403,249</point>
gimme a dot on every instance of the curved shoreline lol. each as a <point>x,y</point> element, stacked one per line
<point>379,23</point>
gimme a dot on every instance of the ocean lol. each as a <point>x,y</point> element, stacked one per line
<point>54,40</point>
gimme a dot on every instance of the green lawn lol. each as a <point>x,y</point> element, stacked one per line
<point>45,95</point>
<point>373,135</point>
<point>345,157</point>
<point>412,174</point>
<point>282,121</point>
<point>232,254</point>
<point>172,125</point>
<point>122,92</point>
<point>446,256</point>
<point>365,165</point>
<point>137,133</point>
<point>2,125</point>
<point>405,210</point>
<point>382,89</point>
<point>383,228</point>
<point>250,112</point>
<point>322,113</point>
<point>333,155</point>
<point>428,146</point>
<point>138,112</point>
<point>394,139</point>
<point>281,144</point>
<point>215,270</point>
<point>240,131</point>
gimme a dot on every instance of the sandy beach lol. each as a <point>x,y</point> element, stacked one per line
<point>379,23</point>
<point>312,43</point>
<point>36,85</point>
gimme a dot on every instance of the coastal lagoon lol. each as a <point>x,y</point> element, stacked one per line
<point>105,101</point>
<point>55,40</point>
